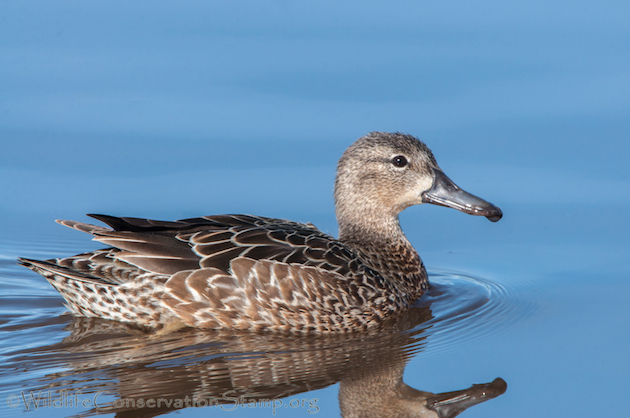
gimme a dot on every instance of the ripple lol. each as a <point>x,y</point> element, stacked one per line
<point>468,307</point>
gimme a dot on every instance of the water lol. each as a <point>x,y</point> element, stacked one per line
<point>172,112</point>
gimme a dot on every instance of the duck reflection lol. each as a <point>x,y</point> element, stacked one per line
<point>149,375</point>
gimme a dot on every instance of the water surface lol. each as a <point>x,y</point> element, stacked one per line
<point>173,111</point>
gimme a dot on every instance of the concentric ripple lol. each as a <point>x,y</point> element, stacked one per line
<point>468,307</point>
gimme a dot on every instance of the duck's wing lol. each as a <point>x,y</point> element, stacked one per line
<point>142,244</point>
<point>214,241</point>
<point>261,238</point>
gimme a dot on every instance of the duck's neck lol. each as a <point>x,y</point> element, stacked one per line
<point>374,390</point>
<point>382,245</point>
<point>367,230</point>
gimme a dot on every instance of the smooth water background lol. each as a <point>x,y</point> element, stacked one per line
<point>173,110</point>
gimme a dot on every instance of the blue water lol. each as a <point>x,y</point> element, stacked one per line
<point>167,111</point>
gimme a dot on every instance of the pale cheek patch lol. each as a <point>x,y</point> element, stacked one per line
<point>424,183</point>
<point>409,195</point>
<point>414,195</point>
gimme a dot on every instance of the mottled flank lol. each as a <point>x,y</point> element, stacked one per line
<point>255,273</point>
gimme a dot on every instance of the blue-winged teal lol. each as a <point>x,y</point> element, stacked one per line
<point>255,273</point>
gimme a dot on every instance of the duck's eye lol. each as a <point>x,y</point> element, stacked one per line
<point>399,161</point>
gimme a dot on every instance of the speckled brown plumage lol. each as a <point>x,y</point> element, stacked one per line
<point>255,273</point>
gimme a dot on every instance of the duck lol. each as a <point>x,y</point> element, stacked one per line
<point>253,273</point>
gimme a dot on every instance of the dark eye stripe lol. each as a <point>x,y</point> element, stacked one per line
<point>399,161</point>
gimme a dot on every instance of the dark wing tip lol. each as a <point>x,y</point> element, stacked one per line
<point>112,221</point>
<point>26,262</point>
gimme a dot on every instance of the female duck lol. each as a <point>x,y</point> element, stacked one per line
<point>249,272</point>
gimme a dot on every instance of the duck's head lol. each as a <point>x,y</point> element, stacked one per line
<point>381,174</point>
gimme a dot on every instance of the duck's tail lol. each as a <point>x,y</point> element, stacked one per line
<point>135,301</point>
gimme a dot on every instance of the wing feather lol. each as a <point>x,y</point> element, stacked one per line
<point>214,241</point>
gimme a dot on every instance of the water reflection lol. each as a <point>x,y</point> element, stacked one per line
<point>144,375</point>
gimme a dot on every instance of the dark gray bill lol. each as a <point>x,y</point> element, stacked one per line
<point>451,404</point>
<point>446,193</point>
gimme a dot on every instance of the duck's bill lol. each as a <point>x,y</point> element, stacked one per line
<point>446,193</point>
<point>450,404</point>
